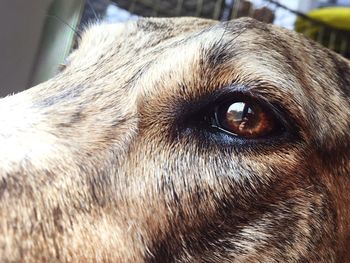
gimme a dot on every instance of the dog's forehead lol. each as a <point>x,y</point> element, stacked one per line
<point>137,45</point>
<point>136,30</point>
<point>124,39</point>
<point>161,56</point>
<point>153,36</point>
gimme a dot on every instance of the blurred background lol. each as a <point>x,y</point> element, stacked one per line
<point>36,36</point>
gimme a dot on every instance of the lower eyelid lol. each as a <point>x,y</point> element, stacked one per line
<point>199,115</point>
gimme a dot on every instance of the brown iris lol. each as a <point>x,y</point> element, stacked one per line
<point>248,120</point>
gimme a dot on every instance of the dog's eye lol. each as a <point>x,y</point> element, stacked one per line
<point>245,119</point>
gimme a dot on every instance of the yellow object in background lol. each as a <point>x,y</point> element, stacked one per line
<point>336,33</point>
<point>338,17</point>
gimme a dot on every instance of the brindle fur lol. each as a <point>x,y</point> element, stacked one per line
<point>107,162</point>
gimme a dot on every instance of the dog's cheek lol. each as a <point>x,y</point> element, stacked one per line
<point>223,207</point>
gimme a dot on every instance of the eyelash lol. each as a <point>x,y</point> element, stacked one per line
<point>201,121</point>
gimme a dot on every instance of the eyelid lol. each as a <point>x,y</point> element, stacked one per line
<point>241,92</point>
<point>190,111</point>
<point>194,118</point>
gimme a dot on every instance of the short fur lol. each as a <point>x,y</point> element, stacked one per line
<point>106,162</point>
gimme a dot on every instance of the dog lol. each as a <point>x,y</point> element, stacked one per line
<point>180,140</point>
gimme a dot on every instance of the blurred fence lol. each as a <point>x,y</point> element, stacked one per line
<point>332,37</point>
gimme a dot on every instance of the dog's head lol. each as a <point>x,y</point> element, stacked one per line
<point>180,140</point>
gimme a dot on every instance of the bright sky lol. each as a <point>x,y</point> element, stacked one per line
<point>283,17</point>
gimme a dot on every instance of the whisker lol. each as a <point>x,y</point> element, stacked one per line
<point>64,22</point>
<point>223,34</point>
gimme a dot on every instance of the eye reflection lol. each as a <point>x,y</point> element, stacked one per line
<point>238,111</point>
<point>245,119</point>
